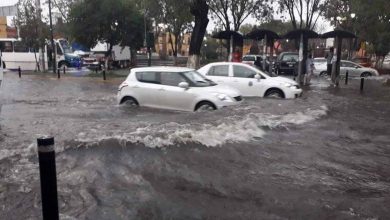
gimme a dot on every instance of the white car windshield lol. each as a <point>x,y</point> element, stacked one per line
<point>197,79</point>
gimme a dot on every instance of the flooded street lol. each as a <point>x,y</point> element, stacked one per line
<point>323,156</point>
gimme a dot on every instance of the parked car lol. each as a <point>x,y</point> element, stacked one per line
<point>175,88</point>
<point>319,63</point>
<point>354,70</point>
<point>286,63</point>
<point>250,81</point>
<point>386,62</point>
<point>250,59</point>
<point>257,61</point>
<point>362,61</point>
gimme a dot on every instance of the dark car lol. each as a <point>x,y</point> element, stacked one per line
<point>286,63</point>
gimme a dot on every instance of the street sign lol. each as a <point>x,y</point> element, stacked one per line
<point>8,10</point>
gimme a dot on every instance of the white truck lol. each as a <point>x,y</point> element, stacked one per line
<point>120,56</point>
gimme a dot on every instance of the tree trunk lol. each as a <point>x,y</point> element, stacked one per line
<point>36,61</point>
<point>133,57</point>
<point>199,9</point>
<point>108,56</point>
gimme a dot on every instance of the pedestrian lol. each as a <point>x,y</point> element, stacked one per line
<point>329,58</point>
<point>236,55</point>
<point>258,62</point>
<point>309,69</point>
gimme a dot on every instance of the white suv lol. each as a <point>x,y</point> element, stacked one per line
<point>250,81</point>
<point>175,88</point>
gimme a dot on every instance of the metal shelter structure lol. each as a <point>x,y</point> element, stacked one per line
<point>268,37</point>
<point>232,36</point>
<point>338,35</point>
<point>303,35</point>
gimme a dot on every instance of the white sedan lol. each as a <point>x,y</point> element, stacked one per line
<point>250,81</point>
<point>175,88</point>
<point>354,70</point>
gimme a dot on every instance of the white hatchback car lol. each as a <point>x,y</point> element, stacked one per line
<point>175,88</point>
<point>250,81</point>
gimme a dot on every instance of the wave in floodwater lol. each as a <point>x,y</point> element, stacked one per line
<point>229,130</point>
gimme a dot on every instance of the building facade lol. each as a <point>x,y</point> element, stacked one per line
<point>163,45</point>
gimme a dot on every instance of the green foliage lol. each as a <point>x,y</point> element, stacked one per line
<point>113,22</point>
<point>371,21</point>
<point>31,28</point>
<point>210,48</point>
<point>174,14</point>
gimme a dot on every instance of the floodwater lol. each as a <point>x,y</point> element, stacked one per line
<point>323,156</point>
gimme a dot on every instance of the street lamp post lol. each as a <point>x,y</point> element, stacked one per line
<point>52,40</point>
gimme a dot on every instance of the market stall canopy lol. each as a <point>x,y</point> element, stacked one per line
<point>296,34</point>
<point>338,33</point>
<point>227,35</point>
<point>258,34</point>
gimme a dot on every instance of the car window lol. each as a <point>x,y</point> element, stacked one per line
<point>171,79</point>
<point>347,64</point>
<point>290,57</point>
<point>220,70</point>
<point>148,77</point>
<point>248,58</point>
<point>243,72</point>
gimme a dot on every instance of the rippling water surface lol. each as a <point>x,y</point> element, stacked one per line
<point>325,155</point>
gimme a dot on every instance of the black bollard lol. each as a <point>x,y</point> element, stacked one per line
<point>96,70</point>
<point>346,78</point>
<point>20,72</point>
<point>48,177</point>
<point>104,74</point>
<point>58,73</point>
<point>361,84</point>
<point>64,69</point>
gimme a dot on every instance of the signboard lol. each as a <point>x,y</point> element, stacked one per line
<point>8,10</point>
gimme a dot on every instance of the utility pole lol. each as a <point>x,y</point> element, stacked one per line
<point>41,46</point>
<point>54,65</point>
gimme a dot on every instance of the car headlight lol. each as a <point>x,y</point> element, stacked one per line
<point>224,97</point>
<point>289,85</point>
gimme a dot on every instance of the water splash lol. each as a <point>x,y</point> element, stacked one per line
<point>228,130</point>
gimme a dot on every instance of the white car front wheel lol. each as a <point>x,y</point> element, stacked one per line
<point>205,106</point>
<point>129,101</point>
<point>274,93</point>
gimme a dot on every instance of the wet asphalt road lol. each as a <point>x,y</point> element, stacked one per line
<point>323,156</point>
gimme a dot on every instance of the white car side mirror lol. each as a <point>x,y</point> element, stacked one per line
<point>258,77</point>
<point>184,85</point>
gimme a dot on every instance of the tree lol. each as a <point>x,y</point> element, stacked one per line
<point>370,22</point>
<point>199,9</point>
<point>177,17</point>
<point>246,28</point>
<point>63,6</point>
<point>175,14</point>
<point>32,30</point>
<point>112,22</point>
<point>230,14</point>
<point>303,13</point>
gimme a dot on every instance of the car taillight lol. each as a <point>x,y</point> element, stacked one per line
<point>123,85</point>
